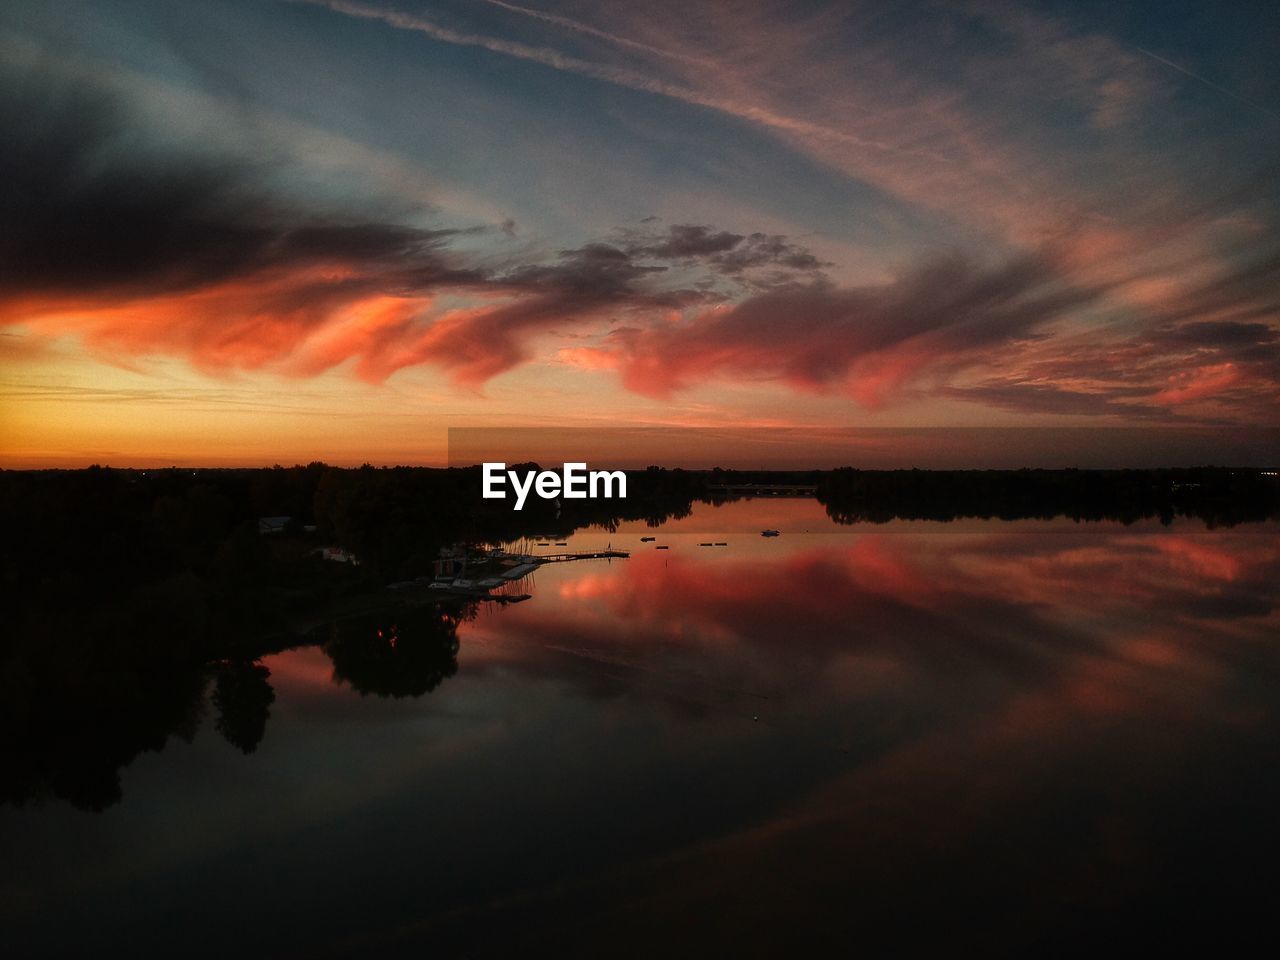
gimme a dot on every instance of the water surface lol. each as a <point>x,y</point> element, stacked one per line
<point>1028,735</point>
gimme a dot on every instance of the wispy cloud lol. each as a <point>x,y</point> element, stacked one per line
<point>619,76</point>
<point>586,29</point>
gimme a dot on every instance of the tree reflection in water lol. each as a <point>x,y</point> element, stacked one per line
<point>243,697</point>
<point>70,740</point>
<point>402,656</point>
<point>67,733</point>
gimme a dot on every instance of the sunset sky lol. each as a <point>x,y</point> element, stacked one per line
<point>258,231</point>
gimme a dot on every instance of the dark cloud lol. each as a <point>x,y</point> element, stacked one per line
<point>687,241</point>
<point>593,273</point>
<point>866,341</point>
<point>1219,334</point>
<point>89,208</point>
<point>727,254</point>
<point>767,250</point>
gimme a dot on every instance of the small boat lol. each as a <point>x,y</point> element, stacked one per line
<point>721,543</point>
<point>662,546</point>
<point>562,543</point>
<point>648,539</point>
<point>768,533</point>
<point>708,544</point>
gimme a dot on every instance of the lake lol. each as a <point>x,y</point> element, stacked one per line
<point>1032,735</point>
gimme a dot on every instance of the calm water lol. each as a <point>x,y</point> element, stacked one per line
<point>1020,734</point>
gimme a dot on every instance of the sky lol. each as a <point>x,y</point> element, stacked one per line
<point>242,232</point>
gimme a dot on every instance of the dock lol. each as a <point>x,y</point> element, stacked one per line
<point>601,555</point>
<point>478,585</point>
<point>765,489</point>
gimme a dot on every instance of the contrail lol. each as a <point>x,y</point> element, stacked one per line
<point>1208,83</point>
<point>585,28</point>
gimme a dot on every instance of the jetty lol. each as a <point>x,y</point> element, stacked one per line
<point>474,575</point>
<point>599,555</point>
<point>765,489</point>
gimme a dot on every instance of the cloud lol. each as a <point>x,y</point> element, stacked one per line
<point>1163,363</point>
<point>866,342</point>
<point>143,248</point>
<point>1030,397</point>
<point>691,240</point>
<point>91,209</point>
<point>577,26</point>
<point>762,250</point>
<point>1004,335</point>
<point>749,110</point>
<point>139,247</point>
<point>1002,133</point>
<point>138,244</point>
<point>731,254</point>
